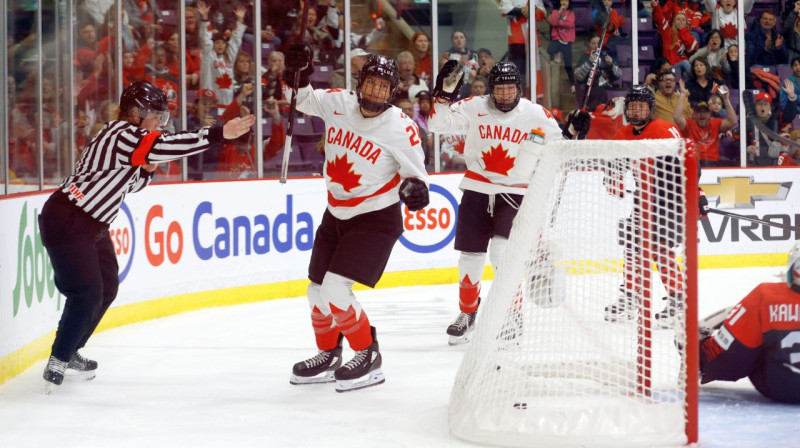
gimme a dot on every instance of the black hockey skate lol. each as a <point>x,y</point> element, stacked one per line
<point>318,369</point>
<point>84,368</point>
<point>364,370</point>
<point>666,317</point>
<point>53,374</point>
<point>623,309</point>
<point>460,329</point>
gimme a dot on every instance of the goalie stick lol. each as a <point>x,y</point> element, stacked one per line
<point>750,113</point>
<point>287,146</point>
<point>751,219</point>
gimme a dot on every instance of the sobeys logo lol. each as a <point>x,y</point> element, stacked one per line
<point>34,272</point>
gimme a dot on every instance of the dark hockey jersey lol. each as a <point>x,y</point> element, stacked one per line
<point>760,339</point>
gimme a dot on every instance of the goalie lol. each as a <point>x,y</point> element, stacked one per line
<point>760,339</point>
<point>639,112</point>
<point>494,184</point>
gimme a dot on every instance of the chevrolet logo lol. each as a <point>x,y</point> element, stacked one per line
<point>742,192</point>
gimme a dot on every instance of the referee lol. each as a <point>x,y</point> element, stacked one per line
<point>74,221</point>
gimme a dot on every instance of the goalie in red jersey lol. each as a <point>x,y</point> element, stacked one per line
<point>639,110</point>
<point>759,339</point>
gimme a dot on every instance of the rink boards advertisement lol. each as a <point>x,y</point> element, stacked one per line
<point>188,238</point>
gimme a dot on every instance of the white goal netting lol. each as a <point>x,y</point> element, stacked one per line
<point>548,364</point>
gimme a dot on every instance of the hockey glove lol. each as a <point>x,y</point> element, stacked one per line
<point>299,57</point>
<point>414,193</point>
<point>702,202</point>
<point>784,159</point>
<point>448,81</point>
<point>578,124</point>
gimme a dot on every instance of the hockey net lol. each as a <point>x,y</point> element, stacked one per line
<point>545,367</point>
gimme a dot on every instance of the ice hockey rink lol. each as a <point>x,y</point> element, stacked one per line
<point>219,377</point>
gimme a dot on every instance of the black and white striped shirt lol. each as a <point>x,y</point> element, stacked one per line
<point>110,166</point>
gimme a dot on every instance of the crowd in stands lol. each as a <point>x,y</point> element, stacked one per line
<point>688,54</point>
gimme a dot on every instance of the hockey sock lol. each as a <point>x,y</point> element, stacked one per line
<point>671,275</point>
<point>347,313</point>
<point>470,270</point>
<point>325,330</point>
<point>497,251</point>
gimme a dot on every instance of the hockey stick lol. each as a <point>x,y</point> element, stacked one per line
<point>750,113</point>
<point>751,219</point>
<point>287,146</point>
<point>593,71</point>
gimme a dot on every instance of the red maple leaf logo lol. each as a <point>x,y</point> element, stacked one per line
<point>433,112</point>
<point>459,147</point>
<point>224,81</point>
<point>333,90</point>
<point>729,31</point>
<point>497,160</point>
<point>341,172</point>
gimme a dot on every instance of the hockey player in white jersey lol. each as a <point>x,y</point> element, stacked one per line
<point>373,160</point>
<point>495,124</point>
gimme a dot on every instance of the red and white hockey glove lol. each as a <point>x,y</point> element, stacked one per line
<point>784,159</point>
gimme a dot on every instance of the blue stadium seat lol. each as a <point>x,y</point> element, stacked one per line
<point>321,78</point>
<point>624,55</point>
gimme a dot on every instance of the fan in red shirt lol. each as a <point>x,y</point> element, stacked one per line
<point>639,111</point>
<point>704,130</point>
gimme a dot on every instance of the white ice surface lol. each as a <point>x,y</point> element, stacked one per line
<point>219,378</point>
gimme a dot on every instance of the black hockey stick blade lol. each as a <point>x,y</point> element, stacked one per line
<point>752,219</point>
<point>287,146</point>
<point>750,113</point>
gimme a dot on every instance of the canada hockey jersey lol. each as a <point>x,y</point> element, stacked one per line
<point>493,140</point>
<point>760,339</point>
<point>365,158</point>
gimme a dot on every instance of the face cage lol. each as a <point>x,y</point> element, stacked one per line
<point>506,107</point>
<point>373,106</point>
<point>639,121</point>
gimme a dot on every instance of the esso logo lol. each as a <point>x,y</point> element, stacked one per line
<point>162,239</point>
<point>123,237</point>
<point>433,227</point>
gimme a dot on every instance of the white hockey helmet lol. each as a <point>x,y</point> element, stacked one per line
<point>793,268</point>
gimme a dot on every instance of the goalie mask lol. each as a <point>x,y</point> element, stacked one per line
<point>640,94</point>
<point>146,99</point>
<point>381,67</point>
<point>505,72</point>
<point>793,268</point>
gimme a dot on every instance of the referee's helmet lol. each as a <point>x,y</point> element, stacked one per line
<point>146,99</point>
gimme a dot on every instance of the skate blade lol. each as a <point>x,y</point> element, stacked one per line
<point>80,375</point>
<point>372,379</point>
<point>459,340</point>
<point>48,388</point>
<point>614,318</point>
<point>324,377</point>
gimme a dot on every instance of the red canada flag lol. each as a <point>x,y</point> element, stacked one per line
<point>224,81</point>
<point>729,31</point>
<point>341,172</point>
<point>497,160</point>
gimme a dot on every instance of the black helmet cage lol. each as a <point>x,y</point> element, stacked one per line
<point>640,93</point>
<point>505,72</point>
<point>384,68</point>
<point>147,99</point>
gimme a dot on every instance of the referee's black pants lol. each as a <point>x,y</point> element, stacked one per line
<point>85,269</point>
